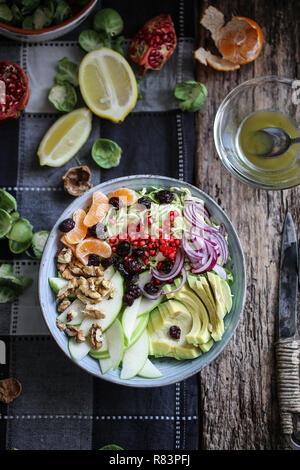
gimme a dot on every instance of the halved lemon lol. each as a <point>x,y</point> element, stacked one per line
<point>65,137</point>
<point>107,84</point>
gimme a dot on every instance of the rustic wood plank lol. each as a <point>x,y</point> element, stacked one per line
<point>238,391</point>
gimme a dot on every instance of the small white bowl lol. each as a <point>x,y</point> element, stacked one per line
<point>46,34</point>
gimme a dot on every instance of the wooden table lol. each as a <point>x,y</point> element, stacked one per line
<point>238,401</point>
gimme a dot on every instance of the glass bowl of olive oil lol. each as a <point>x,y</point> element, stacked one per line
<point>256,104</point>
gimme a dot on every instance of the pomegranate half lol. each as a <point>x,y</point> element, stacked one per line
<point>14,90</point>
<point>154,44</point>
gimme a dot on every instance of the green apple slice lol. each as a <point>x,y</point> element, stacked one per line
<point>57,283</point>
<point>129,317</point>
<point>135,357</point>
<point>77,307</point>
<point>115,342</point>
<point>139,327</point>
<point>147,305</point>
<point>149,371</point>
<point>105,365</point>
<point>103,352</point>
<point>109,272</point>
<point>78,350</point>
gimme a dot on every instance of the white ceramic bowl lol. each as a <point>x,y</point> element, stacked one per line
<point>172,369</point>
<point>46,34</point>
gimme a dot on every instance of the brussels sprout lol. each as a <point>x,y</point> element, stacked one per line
<point>192,95</point>
<point>63,12</point>
<point>106,153</point>
<point>17,15</point>
<point>5,13</point>
<point>63,97</point>
<point>28,6</point>
<point>43,15</point>
<point>108,20</point>
<point>118,45</point>
<point>27,22</point>
<point>90,40</point>
<point>68,72</point>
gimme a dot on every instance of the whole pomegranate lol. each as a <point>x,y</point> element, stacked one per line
<point>14,90</point>
<point>153,44</point>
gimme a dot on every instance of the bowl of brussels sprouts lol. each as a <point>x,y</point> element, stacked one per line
<point>41,20</point>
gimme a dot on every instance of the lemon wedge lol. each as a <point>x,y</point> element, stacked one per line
<point>107,84</point>
<point>65,137</point>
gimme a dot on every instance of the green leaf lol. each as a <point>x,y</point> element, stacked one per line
<point>6,15</point>
<point>118,45</point>
<point>192,95</point>
<point>108,20</point>
<point>17,15</point>
<point>68,72</point>
<point>111,447</point>
<point>63,97</point>
<point>90,40</point>
<point>43,15</point>
<point>106,153</point>
<point>7,201</point>
<point>5,223</point>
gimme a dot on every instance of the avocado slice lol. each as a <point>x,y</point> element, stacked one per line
<point>199,333</point>
<point>218,291</point>
<point>167,314</point>
<point>227,295</point>
<point>201,287</point>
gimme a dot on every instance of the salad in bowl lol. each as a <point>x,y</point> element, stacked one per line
<point>142,276</point>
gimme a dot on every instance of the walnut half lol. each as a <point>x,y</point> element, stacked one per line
<point>95,336</point>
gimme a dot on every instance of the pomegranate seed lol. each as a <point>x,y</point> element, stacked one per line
<point>113,240</point>
<point>114,249</point>
<point>132,237</point>
<point>177,242</point>
<point>171,218</point>
<point>147,253</point>
<point>176,214</point>
<point>135,243</point>
<point>142,243</point>
<point>152,252</point>
<point>146,261</point>
<point>150,221</point>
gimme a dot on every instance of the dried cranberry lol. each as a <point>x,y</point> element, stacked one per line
<point>131,279</point>
<point>106,262</point>
<point>175,332</point>
<point>94,260</point>
<point>115,202</point>
<point>122,270</point>
<point>123,249</point>
<point>138,253</point>
<point>133,290</point>
<point>134,266</point>
<point>66,225</point>
<point>128,300</point>
<point>99,231</point>
<point>167,267</point>
<point>151,288</point>
<point>164,196</point>
<point>145,201</point>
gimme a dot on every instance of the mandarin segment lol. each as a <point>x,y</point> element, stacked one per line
<point>92,246</point>
<point>127,196</point>
<point>98,209</point>
<point>78,233</point>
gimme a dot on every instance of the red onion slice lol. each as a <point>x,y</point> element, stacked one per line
<point>220,271</point>
<point>177,267</point>
<point>183,281</point>
<point>151,297</point>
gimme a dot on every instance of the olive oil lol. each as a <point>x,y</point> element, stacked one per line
<point>249,144</point>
